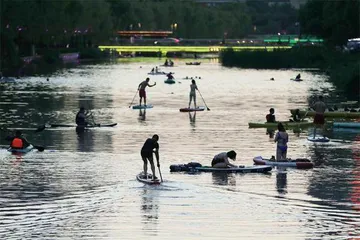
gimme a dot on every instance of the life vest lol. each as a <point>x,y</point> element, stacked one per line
<point>17,143</point>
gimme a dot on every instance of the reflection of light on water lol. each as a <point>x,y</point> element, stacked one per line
<point>355,192</point>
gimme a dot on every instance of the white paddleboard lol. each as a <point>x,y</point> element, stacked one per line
<point>318,139</point>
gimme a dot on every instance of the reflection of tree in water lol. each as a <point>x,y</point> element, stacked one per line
<point>281,180</point>
<point>150,208</point>
<point>330,179</point>
<point>222,178</point>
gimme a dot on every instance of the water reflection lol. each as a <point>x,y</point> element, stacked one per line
<point>85,139</point>
<point>192,119</point>
<point>142,114</point>
<point>355,183</point>
<point>150,209</point>
<point>281,180</point>
<point>222,178</point>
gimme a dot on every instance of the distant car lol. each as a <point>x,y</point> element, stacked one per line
<point>167,41</point>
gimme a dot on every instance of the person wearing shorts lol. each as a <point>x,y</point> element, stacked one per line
<point>141,88</point>
<point>319,119</point>
<point>147,154</point>
<point>192,95</point>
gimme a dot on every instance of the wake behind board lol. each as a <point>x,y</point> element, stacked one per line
<point>147,179</point>
<point>197,109</point>
<point>142,106</point>
<point>318,139</point>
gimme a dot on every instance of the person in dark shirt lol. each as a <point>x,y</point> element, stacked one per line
<point>81,117</point>
<point>147,154</point>
<point>270,118</point>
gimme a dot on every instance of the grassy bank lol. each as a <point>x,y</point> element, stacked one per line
<point>343,68</point>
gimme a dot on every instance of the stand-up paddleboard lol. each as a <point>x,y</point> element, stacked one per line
<point>148,179</point>
<point>197,109</point>
<point>318,139</point>
<point>296,79</point>
<point>142,106</point>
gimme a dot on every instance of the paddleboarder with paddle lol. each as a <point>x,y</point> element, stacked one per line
<point>192,96</point>
<point>147,155</point>
<point>81,117</point>
<point>141,89</point>
<point>319,108</point>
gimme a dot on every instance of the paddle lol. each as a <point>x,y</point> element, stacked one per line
<point>133,98</point>
<point>204,101</point>
<point>160,174</point>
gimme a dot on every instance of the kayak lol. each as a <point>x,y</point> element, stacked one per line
<point>142,106</point>
<point>88,126</point>
<point>169,81</point>
<point>197,167</point>
<point>197,109</point>
<point>340,114</point>
<point>147,179</point>
<point>296,79</point>
<point>157,73</point>
<point>297,163</point>
<point>22,150</point>
<point>286,124</point>
<point>318,139</point>
<point>193,63</point>
<point>346,124</point>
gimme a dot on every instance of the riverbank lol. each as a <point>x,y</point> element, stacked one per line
<point>342,68</point>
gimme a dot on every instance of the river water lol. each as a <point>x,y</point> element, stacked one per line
<point>84,187</point>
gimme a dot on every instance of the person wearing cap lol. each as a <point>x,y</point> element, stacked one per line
<point>221,160</point>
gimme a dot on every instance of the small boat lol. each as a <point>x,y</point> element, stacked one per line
<point>169,81</point>
<point>286,124</point>
<point>296,79</point>
<point>321,139</point>
<point>197,167</point>
<point>346,124</point>
<point>21,150</point>
<point>197,109</point>
<point>339,114</point>
<point>148,179</point>
<point>158,73</point>
<point>299,163</point>
<point>142,106</point>
<point>193,63</point>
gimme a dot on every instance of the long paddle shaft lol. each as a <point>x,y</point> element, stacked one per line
<point>133,98</point>
<point>160,174</point>
<point>204,101</point>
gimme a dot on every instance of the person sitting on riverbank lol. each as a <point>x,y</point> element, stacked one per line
<point>221,160</point>
<point>270,118</point>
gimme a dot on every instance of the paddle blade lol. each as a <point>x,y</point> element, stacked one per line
<point>41,128</point>
<point>39,148</point>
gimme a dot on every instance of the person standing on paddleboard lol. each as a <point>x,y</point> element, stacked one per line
<point>221,160</point>
<point>319,119</point>
<point>81,117</point>
<point>192,95</point>
<point>147,154</point>
<point>142,92</point>
<point>281,138</point>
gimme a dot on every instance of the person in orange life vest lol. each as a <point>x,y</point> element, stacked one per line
<point>270,118</point>
<point>18,141</point>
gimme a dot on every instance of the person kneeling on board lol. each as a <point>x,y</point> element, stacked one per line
<point>18,141</point>
<point>147,154</point>
<point>221,160</point>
